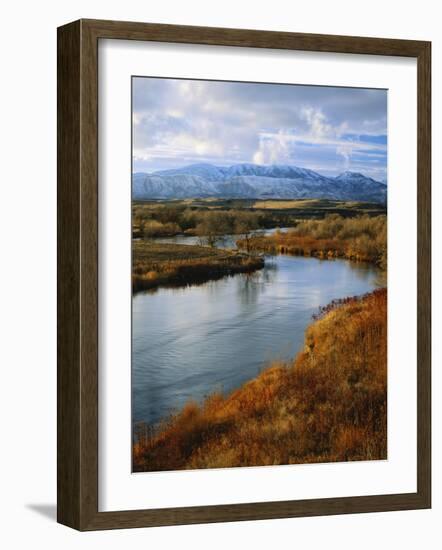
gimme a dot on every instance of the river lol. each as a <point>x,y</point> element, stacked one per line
<point>189,342</point>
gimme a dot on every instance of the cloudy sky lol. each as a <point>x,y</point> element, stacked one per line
<point>326,129</point>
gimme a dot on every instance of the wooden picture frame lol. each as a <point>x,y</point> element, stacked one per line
<point>78,274</point>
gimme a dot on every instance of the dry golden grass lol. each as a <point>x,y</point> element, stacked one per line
<point>285,204</point>
<point>290,204</point>
<point>156,264</point>
<point>362,238</point>
<point>329,404</point>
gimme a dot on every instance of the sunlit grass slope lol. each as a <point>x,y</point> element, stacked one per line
<point>329,404</point>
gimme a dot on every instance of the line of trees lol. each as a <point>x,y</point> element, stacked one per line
<point>209,225</point>
<point>165,221</point>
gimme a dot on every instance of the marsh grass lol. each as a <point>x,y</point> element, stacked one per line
<point>362,238</point>
<point>165,264</point>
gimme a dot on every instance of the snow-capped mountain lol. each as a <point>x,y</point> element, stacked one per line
<point>180,186</point>
<point>206,171</point>
<point>255,181</point>
<point>355,183</point>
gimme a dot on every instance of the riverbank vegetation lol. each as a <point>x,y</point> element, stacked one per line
<point>362,238</point>
<point>165,264</point>
<point>329,404</point>
<point>192,216</point>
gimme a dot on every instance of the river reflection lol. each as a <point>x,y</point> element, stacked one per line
<point>189,342</point>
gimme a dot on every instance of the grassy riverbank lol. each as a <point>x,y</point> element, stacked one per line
<point>328,404</point>
<point>363,238</point>
<point>155,264</point>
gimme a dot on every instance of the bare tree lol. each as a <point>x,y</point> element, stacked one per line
<point>212,227</point>
<point>245,224</point>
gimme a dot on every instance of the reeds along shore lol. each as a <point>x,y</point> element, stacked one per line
<point>329,404</point>
<point>362,238</point>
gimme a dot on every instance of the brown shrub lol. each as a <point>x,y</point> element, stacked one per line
<point>362,238</point>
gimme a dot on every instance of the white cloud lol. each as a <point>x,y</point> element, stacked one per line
<point>274,149</point>
<point>136,118</point>
<point>175,113</point>
<point>345,150</point>
<point>228,122</point>
<point>318,128</point>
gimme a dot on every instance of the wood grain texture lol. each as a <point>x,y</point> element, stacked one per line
<point>424,275</point>
<point>68,276</point>
<point>252,38</point>
<point>78,274</point>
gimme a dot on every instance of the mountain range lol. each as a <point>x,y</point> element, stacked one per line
<point>253,181</point>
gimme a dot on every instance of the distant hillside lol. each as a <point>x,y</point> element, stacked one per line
<point>252,181</point>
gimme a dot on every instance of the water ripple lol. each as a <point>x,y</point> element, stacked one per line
<point>190,342</point>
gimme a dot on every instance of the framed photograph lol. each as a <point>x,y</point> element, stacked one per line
<point>243,274</point>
